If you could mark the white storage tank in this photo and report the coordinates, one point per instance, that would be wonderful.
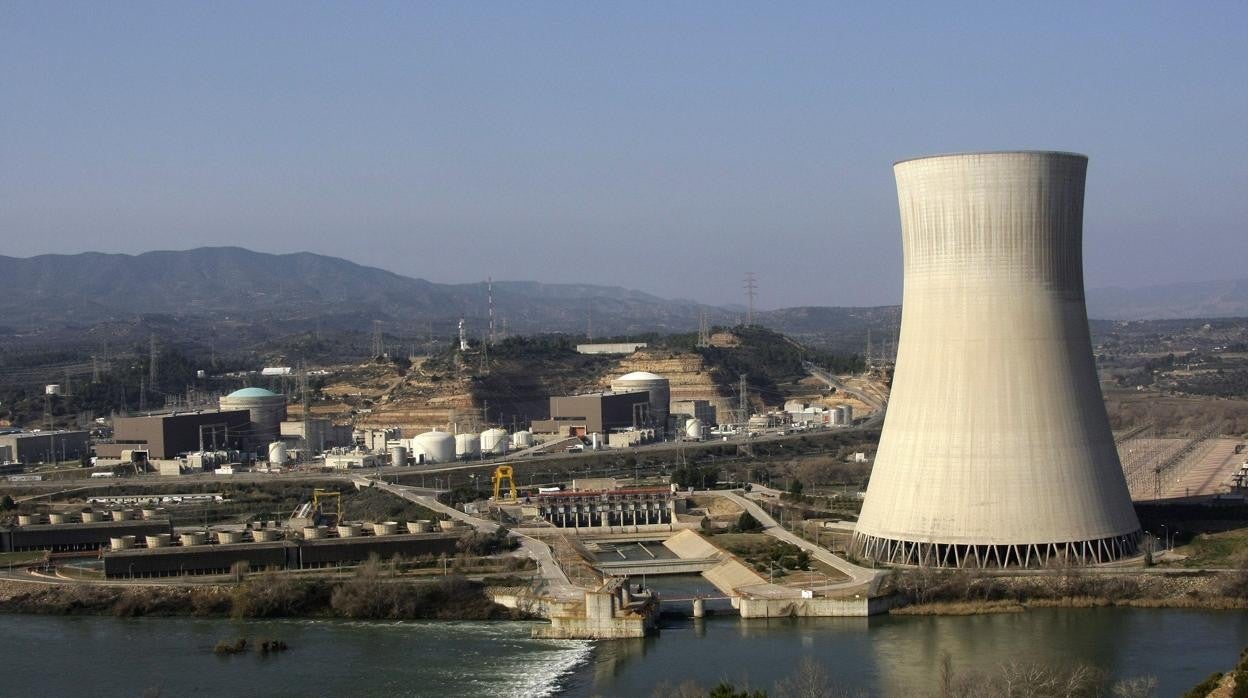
(122, 514)
(56, 518)
(52, 389)
(228, 537)
(421, 526)
(386, 528)
(27, 519)
(160, 540)
(277, 453)
(398, 455)
(264, 535)
(847, 413)
(522, 439)
(436, 446)
(467, 446)
(694, 429)
(495, 442)
(90, 517)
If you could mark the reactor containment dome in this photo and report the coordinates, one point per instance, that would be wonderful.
(996, 450)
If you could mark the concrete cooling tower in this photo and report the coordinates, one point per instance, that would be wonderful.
(996, 450)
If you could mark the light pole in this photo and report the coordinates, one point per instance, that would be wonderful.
(1165, 530)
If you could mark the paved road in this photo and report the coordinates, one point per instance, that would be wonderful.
(858, 576)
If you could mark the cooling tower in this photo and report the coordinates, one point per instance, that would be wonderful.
(996, 450)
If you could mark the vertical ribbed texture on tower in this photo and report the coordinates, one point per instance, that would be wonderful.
(996, 449)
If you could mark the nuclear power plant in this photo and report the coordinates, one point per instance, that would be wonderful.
(996, 450)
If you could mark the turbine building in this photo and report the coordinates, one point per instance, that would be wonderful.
(996, 450)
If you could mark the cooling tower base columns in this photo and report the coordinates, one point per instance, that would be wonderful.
(904, 553)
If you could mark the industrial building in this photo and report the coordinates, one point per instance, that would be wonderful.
(267, 410)
(996, 450)
(606, 508)
(615, 348)
(90, 535)
(320, 433)
(43, 446)
(221, 558)
(595, 413)
(701, 410)
(166, 436)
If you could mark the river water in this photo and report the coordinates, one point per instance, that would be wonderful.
(51, 655)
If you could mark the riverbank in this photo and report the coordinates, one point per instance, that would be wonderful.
(370, 594)
(961, 592)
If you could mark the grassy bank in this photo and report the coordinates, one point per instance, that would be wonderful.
(969, 592)
(374, 592)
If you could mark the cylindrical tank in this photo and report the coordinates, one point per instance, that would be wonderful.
(28, 519)
(437, 446)
(160, 540)
(996, 450)
(422, 526)
(449, 524)
(264, 535)
(148, 513)
(847, 414)
(121, 542)
(694, 429)
(657, 386)
(350, 530)
(595, 441)
(398, 455)
(467, 446)
(314, 532)
(228, 537)
(522, 439)
(277, 453)
(193, 538)
(56, 518)
(495, 442)
(90, 517)
(122, 514)
(386, 528)
(267, 412)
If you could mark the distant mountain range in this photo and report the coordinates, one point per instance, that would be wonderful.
(287, 292)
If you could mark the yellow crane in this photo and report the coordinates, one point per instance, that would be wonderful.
(501, 473)
(321, 497)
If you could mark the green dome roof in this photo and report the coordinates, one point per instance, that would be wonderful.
(253, 392)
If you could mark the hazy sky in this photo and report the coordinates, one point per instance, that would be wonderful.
(669, 147)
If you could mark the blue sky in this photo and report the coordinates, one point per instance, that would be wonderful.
(669, 147)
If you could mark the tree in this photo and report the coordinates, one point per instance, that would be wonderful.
(747, 523)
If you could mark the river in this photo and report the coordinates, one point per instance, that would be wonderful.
(53, 655)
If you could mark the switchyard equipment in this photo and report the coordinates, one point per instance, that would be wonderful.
(996, 450)
(504, 473)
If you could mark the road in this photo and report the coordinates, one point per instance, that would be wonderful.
(858, 576)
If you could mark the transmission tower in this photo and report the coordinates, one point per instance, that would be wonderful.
(378, 347)
(489, 292)
(704, 331)
(152, 367)
(751, 289)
